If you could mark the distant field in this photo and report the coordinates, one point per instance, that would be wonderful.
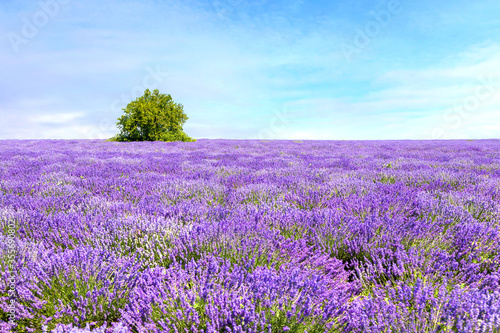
(250, 236)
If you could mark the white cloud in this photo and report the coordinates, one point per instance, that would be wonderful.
(57, 118)
(413, 103)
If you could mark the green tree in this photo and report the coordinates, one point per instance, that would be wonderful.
(152, 117)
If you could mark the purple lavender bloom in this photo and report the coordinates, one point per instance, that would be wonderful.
(313, 236)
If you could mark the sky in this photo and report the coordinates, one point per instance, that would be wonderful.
(263, 69)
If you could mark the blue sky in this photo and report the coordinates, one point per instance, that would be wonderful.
(254, 69)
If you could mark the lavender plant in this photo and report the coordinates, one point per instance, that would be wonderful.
(250, 236)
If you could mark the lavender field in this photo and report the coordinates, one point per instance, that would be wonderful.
(250, 236)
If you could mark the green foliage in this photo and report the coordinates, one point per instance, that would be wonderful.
(152, 117)
(64, 293)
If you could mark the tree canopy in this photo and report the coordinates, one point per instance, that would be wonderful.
(152, 117)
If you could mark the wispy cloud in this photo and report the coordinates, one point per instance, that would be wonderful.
(61, 118)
